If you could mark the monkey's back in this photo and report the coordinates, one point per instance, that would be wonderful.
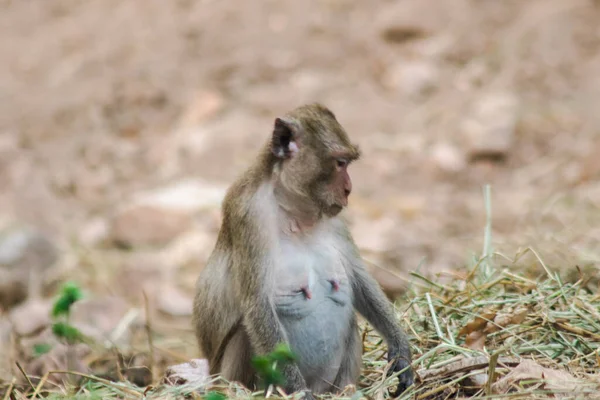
(215, 312)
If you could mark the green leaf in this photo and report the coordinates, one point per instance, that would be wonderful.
(61, 306)
(269, 370)
(283, 353)
(67, 332)
(273, 376)
(215, 396)
(69, 294)
(261, 364)
(270, 367)
(40, 349)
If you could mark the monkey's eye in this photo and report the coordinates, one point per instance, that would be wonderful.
(341, 162)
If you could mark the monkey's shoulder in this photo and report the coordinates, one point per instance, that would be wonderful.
(239, 197)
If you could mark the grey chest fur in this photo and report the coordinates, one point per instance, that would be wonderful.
(314, 303)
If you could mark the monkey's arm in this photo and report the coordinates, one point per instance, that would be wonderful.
(371, 303)
(252, 265)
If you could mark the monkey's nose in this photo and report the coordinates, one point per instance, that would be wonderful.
(347, 187)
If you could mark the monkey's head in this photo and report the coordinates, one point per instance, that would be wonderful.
(311, 154)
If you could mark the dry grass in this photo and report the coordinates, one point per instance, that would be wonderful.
(479, 326)
(488, 332)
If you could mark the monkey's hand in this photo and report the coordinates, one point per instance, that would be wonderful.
(295, 381)
(308, 395)
(400, 360)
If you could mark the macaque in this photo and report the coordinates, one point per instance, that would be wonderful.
(285, 268)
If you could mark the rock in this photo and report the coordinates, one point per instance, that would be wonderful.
(31, 317)
(9, 144)
(391, 283)
(146, 225)
(489, 128)
(189, 247)
(435, 47)
(398, 34)
(206, 104)
(156, 217)
(13, 290)
(135, 369)
(409, 206)
(5, 349)
(447, 158)
(101, 318)
(60, 358)
(150, 271)
(373, 235)
(94, 232)
(171, 300)
(25, 254)
(421, 26)
(589, 166)
(268, 99)
(141, 272)
(194, 373)
(6, 217)
(404, 21)
(308, 81)
(23, 245)
(472, 76)
(190, 137)
(413, 78)
(188, 195)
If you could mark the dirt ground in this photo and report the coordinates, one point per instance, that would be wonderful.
(103, 100)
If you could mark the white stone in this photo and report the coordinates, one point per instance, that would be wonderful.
(489, 128)
(447, 157)
(187, 195)
(414, 77)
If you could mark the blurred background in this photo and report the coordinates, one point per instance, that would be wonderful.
(123, 122)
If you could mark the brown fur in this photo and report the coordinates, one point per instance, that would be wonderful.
(287, 199)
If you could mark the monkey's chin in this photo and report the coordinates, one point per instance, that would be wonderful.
(333, 210)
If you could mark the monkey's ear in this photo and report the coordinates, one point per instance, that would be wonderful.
(284, 142)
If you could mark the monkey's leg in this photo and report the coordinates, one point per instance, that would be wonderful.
(351, 362)
(236, 362)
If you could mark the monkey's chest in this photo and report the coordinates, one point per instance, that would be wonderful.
(308, 278)
(313, 299)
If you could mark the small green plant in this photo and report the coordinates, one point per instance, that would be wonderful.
(41, 348)
(270, 367)
(69, 294)
(215, 396)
